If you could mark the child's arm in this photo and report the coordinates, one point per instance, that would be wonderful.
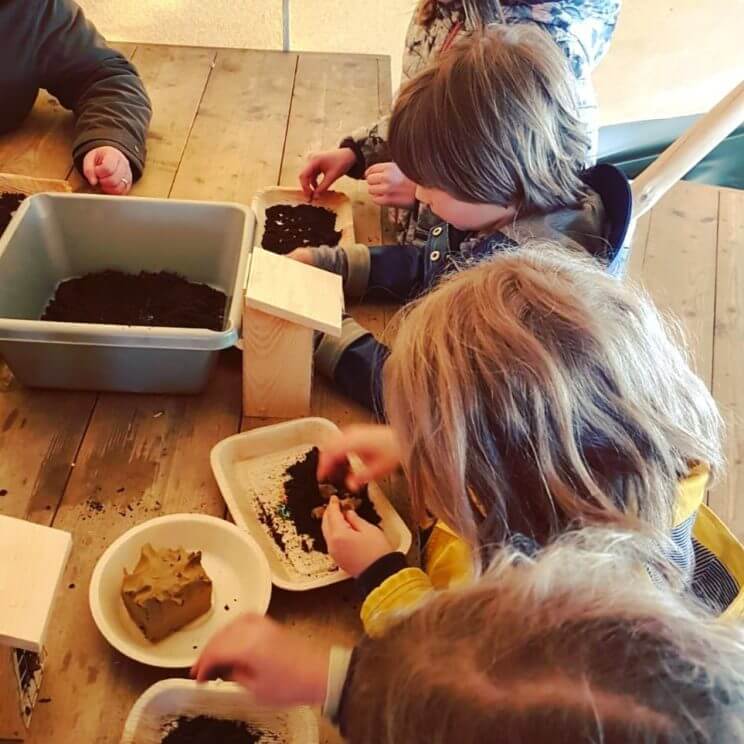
(389, 586)
(380, 272)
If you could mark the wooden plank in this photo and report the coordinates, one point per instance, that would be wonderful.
(277, 366)
(680, 264)
(157, 448)
(638, 248)
(11, 183)
(33, 558)
(236, 143)
(726, 498)
(143, 456)
(294, 291)
(175, 79)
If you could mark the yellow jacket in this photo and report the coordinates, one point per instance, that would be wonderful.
(715, 556)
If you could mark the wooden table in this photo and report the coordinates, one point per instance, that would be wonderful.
(227, 123)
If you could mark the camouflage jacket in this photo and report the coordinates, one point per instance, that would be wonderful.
(581, 28)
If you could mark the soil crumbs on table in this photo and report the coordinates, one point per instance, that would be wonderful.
(9, 203)
(145, 299)
(207, 730)
(289, 227)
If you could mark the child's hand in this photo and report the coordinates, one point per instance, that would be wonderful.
(275, 665)
(353, 543)
(332, 164)
(377, 446)
(109, 169)
(303, 255)
(388, 187)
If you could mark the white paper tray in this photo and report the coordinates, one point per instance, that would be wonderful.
(333, 200)
(172, 698)
(230, 452)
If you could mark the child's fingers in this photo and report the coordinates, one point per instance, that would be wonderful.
(89, 167)
(375, 170)
(333, 519)
(109, 165)
(375, 179)
(357, 523)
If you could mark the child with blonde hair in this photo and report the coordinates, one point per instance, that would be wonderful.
(565, 647)
(529, 396)
(491, 138)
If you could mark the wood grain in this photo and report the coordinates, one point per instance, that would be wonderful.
(726, 497)
(175, 79)
(148, 455)
(277, 366)
(235, 146)
(12, 183)
(680, 264)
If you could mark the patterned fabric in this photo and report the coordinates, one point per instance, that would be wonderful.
(712, 581)
(581, 28)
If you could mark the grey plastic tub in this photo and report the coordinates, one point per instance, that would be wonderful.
(54, 237)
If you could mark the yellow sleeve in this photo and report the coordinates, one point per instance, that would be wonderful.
(447, 562)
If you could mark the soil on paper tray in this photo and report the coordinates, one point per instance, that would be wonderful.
(206, 730)
(289, 227)
(144, 299)
(9, 203)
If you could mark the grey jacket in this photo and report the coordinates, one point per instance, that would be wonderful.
(50, 44)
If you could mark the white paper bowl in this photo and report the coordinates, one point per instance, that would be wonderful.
(241, 582)
(172, 698)
(226, 458)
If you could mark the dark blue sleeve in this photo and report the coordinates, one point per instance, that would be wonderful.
(396, 272)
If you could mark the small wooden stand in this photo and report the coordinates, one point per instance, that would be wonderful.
(285, 302)
(12, 183)
(32, 559)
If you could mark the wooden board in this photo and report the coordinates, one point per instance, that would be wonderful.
(235, 146)
(12, 183)
(277, 366)
(32, 559)
(680, 264)
(728, 361)
(175, 79)
(294, 291)
(156, 448)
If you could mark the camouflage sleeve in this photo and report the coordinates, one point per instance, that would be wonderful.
(369, 145)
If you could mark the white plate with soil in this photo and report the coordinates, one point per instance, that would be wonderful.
(241, 582)
(250, 471)
(156, 712)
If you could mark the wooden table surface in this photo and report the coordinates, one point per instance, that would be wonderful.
(227, 123)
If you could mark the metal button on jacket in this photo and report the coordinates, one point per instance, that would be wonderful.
(434, 255)
(437, 230)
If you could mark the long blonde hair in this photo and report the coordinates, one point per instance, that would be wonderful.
(534, 393)
(494, 121)
(572, 646)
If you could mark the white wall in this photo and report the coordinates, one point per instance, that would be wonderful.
(668, 58)
(229, 23)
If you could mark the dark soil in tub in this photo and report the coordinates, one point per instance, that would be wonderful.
(144, 299)
(206, 730)
(289, 227)
(9, 203)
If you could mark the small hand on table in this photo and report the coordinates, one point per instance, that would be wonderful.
(109, 169)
